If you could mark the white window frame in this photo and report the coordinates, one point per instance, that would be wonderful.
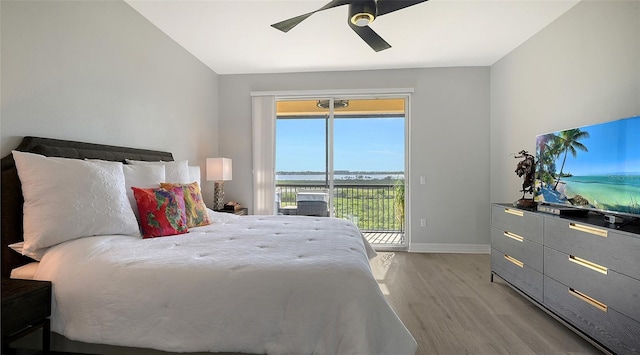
(263, 134)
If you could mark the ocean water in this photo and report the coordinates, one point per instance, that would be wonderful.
(319, 177)
(606, 192)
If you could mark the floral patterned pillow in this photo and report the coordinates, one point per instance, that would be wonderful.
(196, 209)
(162, 211)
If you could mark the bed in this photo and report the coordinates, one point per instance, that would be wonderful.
(247, 284)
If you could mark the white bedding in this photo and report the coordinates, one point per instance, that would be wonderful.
(255, 284)
(25, 272)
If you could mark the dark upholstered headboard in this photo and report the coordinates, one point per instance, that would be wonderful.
(12, 191)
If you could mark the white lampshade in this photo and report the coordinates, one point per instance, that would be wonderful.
(218, 169)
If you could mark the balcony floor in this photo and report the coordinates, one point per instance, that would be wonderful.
(383, 237)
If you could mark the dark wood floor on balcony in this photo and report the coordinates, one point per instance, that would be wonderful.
(384, 237)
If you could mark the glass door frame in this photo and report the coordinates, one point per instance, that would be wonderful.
(360, 95)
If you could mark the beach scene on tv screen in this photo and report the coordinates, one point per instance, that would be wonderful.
(594, 167)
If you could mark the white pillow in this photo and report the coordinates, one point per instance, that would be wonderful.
(222, 217)
(66, 199)
(194, 174)
(143, 176)
(175, 171)
(35, 255)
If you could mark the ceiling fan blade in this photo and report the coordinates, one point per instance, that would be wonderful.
(286, 25)
(387, 6)
(371, 37)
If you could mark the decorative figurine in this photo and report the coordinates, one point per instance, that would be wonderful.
(526, 170)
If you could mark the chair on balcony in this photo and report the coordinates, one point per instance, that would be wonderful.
(286, 210)
(313, 203)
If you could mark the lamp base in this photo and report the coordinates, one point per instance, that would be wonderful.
(218, 195)
(525, 203)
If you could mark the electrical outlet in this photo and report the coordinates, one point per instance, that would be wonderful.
(423, 222)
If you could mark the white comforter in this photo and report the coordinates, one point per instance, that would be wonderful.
(255, 284)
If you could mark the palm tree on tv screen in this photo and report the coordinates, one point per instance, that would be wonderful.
(569, 144)
(548, 151)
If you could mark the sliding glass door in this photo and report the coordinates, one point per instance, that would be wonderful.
(302, 157)
(344, 157)
(369, 168)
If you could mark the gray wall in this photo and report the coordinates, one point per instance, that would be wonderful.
(449, 143)
(98, 71)
(584, 68)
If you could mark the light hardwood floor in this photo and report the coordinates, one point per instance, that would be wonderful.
(449, 304)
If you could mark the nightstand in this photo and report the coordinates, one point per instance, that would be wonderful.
(26, 306)
(242, 211)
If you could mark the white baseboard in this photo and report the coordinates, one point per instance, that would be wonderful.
(450, 248)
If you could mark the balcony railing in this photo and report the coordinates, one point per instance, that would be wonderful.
(373, 207)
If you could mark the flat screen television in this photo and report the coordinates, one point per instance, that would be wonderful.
(595, 167)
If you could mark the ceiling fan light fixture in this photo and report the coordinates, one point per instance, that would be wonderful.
(362, 13)
(362, 19)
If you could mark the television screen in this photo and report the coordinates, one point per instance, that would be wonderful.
(594, 167)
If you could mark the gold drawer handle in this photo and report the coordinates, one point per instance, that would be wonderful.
(588, 264)
(514, 212)
(513, 236)
(514, 260)
(587, 229)
(592, 301)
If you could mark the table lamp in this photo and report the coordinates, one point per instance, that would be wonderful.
(219, 171)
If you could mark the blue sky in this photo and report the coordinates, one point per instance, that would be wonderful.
(361, 144)
(614, 147)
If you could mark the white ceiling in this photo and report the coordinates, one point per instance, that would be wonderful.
(235, 37)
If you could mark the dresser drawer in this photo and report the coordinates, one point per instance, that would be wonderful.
(527, 279)
(617, 332)
(615, 250)
(530, 253)
(523, 223)
(615, 290)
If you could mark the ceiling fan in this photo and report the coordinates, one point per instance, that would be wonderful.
(361, 14)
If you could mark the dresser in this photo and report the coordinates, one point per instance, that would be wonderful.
(582, 270)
